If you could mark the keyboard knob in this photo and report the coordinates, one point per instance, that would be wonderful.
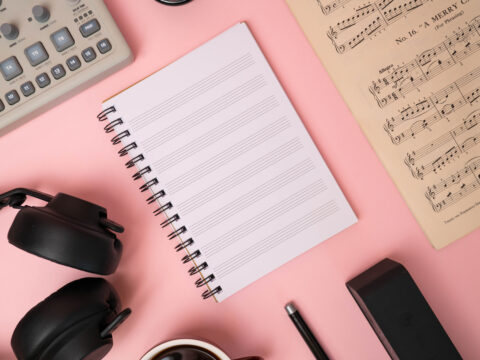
(10, 31)
(41, 13)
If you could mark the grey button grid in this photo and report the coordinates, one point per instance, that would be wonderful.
(43, 80)
(12, 97)
(62, 39)
(90, 28)
(10, 68)
(36, 54)
(27, 88)
(89, 54)
(104, 46)
(73, 63)
(58, 71)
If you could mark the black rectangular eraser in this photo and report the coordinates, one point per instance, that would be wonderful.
(400, 315)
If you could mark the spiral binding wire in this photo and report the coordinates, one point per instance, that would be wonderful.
(156, 195)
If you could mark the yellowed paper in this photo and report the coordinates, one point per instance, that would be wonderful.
(410, 72)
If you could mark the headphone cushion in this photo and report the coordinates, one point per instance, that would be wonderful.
(68, 322)
(48, 234)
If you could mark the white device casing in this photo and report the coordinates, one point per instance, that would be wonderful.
(62, 14)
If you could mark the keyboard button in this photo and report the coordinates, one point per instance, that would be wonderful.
(89, 28)
(104, 46)
(12, 97)
(62, 39)
(42, 80)
(27, 88)
(2, 106)
(36, 54)
(89, 54)
(10, 68)
(73, 63)
(58, 71)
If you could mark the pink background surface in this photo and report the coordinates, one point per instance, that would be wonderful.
(66, 150)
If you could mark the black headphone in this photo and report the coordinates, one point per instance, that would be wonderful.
(77, 321)
(173, 2)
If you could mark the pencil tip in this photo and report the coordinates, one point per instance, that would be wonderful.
(290, 308)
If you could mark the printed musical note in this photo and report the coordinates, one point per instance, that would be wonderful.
(428, 65)
(469, 124)
(381, 15)
(409, 113)
(441, 105)
(466, 182)
(445, 159)
(330, 7)
(361, 14)
(409, 70)
(437, 189)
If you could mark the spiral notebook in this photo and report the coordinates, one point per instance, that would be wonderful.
(227, 163)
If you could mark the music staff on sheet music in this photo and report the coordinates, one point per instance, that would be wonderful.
(379, 13)
(453, 145)
(459, 185)
(428, 65)
(435, 108)
(331, 6)
(409, 70)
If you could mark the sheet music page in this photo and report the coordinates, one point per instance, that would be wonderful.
(410, 72)
(235, 171)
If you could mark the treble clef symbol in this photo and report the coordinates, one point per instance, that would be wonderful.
(430, 194)
(418, 174)
(332, 34)
(410, 159)
(389, 127)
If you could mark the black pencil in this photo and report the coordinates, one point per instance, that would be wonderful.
(306, 333)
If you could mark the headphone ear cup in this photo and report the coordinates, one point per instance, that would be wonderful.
(69, 231)
(68, 324)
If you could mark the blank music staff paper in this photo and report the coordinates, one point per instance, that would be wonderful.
(227, 159)
(410, 72)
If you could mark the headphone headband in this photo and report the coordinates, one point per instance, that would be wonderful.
(77, 321)
(16, 197)
(68, 230)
